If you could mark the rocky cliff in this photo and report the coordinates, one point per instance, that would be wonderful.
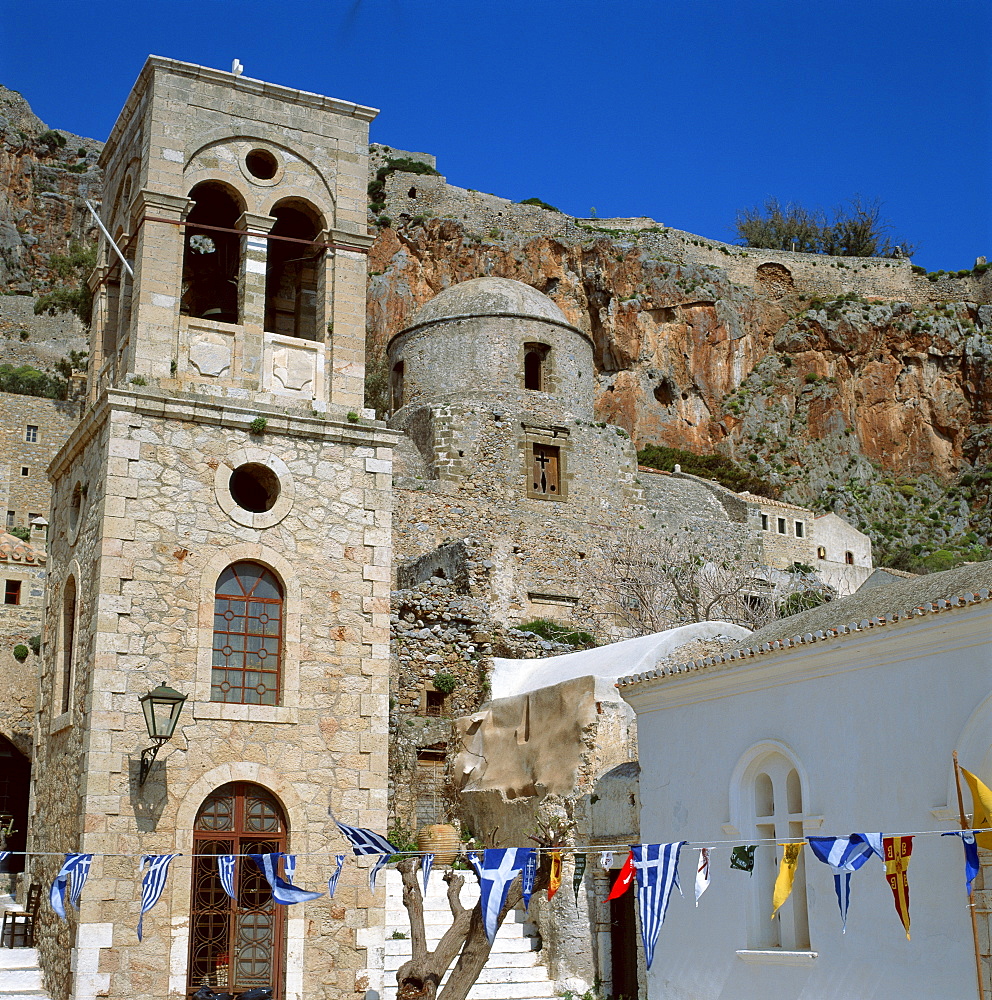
(826, 392)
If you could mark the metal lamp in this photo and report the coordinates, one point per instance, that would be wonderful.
(161, 707)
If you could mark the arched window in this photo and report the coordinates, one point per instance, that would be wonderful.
(771, 799)
(535, 364)
(396, 387)
(236, 944)
(248, 614)
(68, 641)
(212, 256)
(821, 552)
(291, 273)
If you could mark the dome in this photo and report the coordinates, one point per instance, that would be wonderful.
(488, 297)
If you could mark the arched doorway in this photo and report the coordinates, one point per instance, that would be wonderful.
(238, 944)
(15, 790)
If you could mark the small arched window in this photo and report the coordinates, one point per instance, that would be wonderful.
(849, 558)
(773, 809)
(535, 367)
(821, 552)
(248, 616)
(396, 386)
(68, 641)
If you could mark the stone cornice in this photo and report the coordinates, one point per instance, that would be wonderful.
(193, 409)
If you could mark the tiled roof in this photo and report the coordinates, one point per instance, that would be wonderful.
(873, 608)
(13, 550)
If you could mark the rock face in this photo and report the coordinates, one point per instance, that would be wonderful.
(689, 359)
(45, 176)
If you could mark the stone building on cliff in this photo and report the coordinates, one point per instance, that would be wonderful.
(219, 522)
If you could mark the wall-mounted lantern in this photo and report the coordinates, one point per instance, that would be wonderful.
(161, 707)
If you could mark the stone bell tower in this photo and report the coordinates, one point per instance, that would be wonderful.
(221, 521)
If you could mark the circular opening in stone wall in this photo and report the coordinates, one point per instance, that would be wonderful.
(254, 487)
(261, 164)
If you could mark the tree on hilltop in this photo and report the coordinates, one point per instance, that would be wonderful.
(856, 229)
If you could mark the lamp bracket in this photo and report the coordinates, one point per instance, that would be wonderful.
(148, 756)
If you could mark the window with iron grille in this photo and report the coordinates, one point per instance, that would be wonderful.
(248, 613)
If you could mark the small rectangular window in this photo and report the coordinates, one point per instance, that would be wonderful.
(11, 518)
(781, 526)
(12, 592)
(800, 529)
(764, 522)
(31, 433)
(25, 471)
(434, 703)
(544, 470)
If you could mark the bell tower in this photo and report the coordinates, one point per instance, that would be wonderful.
(221, 521)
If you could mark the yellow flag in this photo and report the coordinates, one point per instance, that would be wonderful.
(786, 875)
(981, 797)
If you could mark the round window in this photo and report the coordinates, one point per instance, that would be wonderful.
(261, 164)
(254, 487)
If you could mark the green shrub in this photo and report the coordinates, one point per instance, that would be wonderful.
(539, 204)
(35, 643)
(445, 682)
(24, 380)
(21, 652)
(24, 534)
(556, 632)
(52, 139)
(716, 467)
(258, 425)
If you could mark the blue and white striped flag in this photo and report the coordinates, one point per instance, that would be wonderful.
(225, 870)
(289, 867)
(76, 867)
(972, 865)
(657, 868)
(154, 881)
(375, 869)
(366, 841)
(500, 866)
(332, 882)
(426, 864)
(282, 891)
(472, 857)
(845, 855)
(527, 879)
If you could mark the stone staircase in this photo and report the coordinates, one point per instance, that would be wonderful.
(20, 974)
(513, 971)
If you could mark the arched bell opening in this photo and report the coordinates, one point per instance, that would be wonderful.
(212, 254)
(291, 275)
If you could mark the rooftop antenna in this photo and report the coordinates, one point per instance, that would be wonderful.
(236, 68)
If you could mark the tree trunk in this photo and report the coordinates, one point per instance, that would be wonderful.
(420, 977)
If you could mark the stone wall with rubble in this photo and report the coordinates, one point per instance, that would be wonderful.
(441, 627)
(412, 196)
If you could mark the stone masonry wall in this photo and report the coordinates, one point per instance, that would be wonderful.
(151, 549)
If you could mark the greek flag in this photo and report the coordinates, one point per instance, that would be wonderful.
(76, 867)
(426, 863)
(282, 891)
(366, 841)
(289, 867)
(473, 859)
(971, 862)
(225, 869)
(332, 882)
(500, 866)
(606, 860)
(657, 867)
(154, 881)
(375, 869)
(529, 875)
(845, 855)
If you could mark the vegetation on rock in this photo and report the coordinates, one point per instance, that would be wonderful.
(716, 467)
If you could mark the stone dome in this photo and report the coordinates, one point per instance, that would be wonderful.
(479, 297)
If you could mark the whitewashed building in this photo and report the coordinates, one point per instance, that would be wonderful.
(842, 719)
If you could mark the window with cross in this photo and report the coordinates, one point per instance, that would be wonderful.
(545, 471)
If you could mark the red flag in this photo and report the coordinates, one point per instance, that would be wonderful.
(897, 854)
(555, 880)
(624, 879)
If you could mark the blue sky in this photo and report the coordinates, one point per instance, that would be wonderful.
(682, 111)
